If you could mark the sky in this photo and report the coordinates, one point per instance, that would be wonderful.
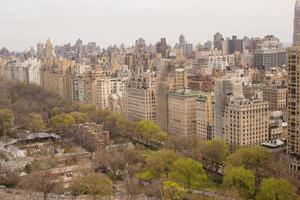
(23, 23)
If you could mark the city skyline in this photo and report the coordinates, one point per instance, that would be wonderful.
(27, 23)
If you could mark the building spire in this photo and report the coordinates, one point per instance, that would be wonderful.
(296, 36)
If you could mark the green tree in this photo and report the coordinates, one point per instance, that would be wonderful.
(188, 172)
(62, 120)
(79, 117)
(96, 185)
(214, 153)
(240, 179)
(276, 189)
(150, 132)
(161, 161)
(115, 123)
(173, 191)
(257, 159)
(36, 122)
(147, 127)
(146, 176)
(6, 121)
(160, 136)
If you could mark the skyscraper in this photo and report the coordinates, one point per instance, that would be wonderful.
(296, 40)
(182, 112)
(225, 88)
(40, 50)
(294, 88)
(172, 78)
(48, 49)
(293, 101)
(140, 97)
(218, 38)
(162, 47)
(181, 39)
(293, 63)
(235, 45)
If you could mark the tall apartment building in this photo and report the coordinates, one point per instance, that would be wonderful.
(182, 113)
(186, 47)
(293, 100)
(96, 87)
(293, 63)
(103, 90)
(48, 50)
(56, 76)
(296, 36)
(225, 87)
(78, 93)
(171, 78)
(235, 45)
(246, 122)
(40, 50)
(139, 98)
(269, 58)
(269, 42)
(162, 48)
(18, 71)
(32, 66)
(26, 70)
(204, 115)
(218, 38)
(220, 44)
(276, 96)
(214, 60)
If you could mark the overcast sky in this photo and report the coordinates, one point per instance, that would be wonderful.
(23, 23)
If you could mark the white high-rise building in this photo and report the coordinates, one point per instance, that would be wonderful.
(27, 70)
(32, 67)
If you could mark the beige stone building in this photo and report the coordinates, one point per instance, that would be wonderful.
(225, 88)
(276, 96)
(204, 115)
(246, 122)
(139, 99)
(95, 87)
(182, 113)
(171, 78)
(56, 76)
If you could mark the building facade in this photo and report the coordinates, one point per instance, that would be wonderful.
(204, 115)
(140, 97)
(171, 78)
(246, 122)
(293, 101)
(269, 58)
(182, 113)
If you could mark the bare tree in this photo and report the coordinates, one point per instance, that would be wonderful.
(39, 181)
(131, 188)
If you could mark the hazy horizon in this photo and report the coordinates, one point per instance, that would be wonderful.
(109, 22)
